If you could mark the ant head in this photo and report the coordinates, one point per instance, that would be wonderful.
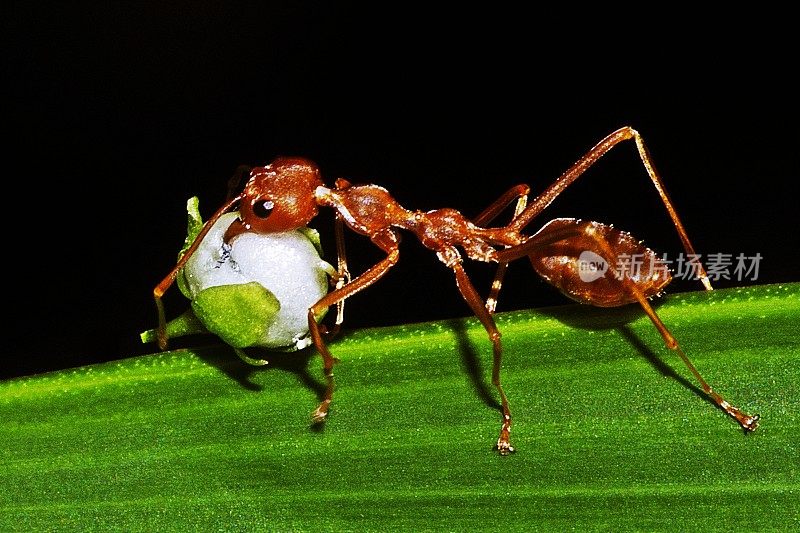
(280, 196)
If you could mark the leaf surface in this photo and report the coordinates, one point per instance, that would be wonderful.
(611, 431)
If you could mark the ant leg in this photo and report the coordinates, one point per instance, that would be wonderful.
(342, 272)
(342, 276)
(388, 242)
(575, 171)
(475, 303)
(166, 283)
(236, 179)
(749, 423)
(520, 194)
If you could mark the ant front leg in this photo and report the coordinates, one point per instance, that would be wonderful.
(166, 283)
(388, 242)
(342, 276)
(342, 271)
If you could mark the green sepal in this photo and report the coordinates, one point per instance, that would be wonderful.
(194, 225)
(185, 324)
(237, 314)
(312, 235)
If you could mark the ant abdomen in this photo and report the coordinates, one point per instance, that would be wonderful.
(588, 267)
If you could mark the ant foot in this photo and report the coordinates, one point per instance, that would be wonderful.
(503, 443)
(750, 423)
(505, 448)
(320, 414)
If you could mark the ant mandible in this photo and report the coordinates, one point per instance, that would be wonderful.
(286, 194)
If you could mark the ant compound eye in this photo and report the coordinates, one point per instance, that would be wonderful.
(263, 208)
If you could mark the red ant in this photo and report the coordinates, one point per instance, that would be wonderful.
(286, 194)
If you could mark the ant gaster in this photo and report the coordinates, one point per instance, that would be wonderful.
(287, 193)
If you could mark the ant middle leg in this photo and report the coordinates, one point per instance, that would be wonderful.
(475, 303)
(520, 194)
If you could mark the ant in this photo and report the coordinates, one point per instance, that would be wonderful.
(287, 193)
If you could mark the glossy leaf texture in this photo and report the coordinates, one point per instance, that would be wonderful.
(611, 431)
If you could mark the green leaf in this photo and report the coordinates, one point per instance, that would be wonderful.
(610, 429)
(237, 314)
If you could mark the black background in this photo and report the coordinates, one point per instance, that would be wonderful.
(118, 115)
